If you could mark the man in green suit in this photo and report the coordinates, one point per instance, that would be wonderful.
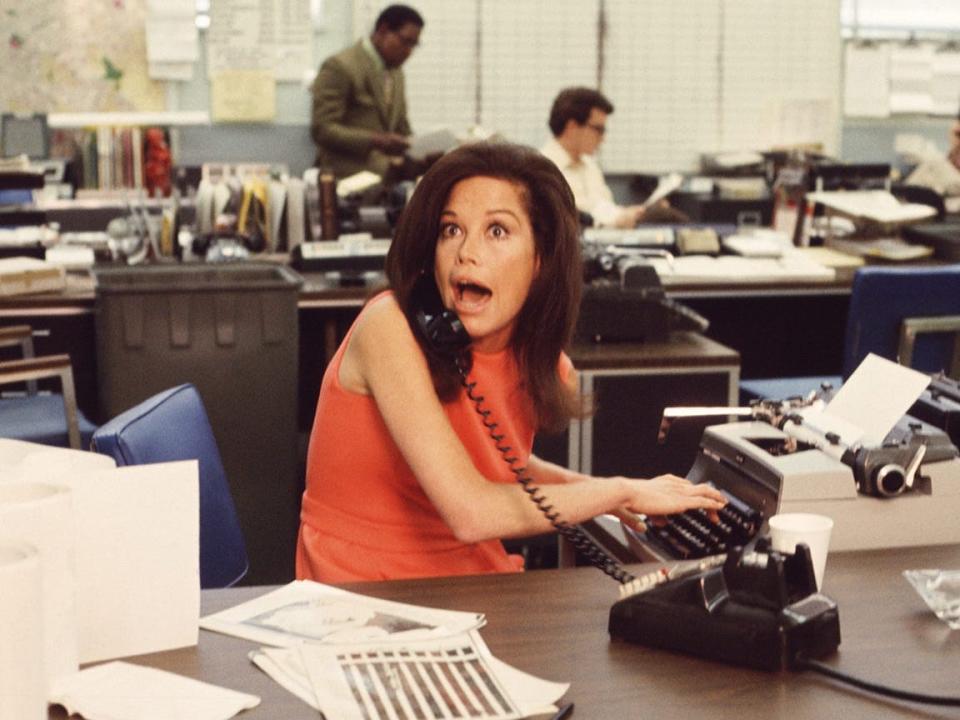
(359, 119)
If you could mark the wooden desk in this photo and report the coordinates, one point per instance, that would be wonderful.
(553, 623)
(631, 384)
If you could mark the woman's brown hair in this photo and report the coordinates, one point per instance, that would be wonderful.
(545, 322)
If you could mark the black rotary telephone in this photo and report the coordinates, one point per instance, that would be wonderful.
(445, 334)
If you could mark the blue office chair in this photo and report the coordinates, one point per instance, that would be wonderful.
(173, 425)
(45, 418)
(907, 314)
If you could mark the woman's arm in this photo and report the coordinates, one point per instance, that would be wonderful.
(384, 360)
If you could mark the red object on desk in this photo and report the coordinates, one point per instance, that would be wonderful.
(156, 167)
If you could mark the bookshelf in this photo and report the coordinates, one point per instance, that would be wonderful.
(110, 146)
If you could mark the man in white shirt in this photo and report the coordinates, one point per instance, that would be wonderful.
(578, 121)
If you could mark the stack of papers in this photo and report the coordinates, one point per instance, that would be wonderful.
(877, 206)
(733, 269)
(23, 275)
(351, 656)
(889, 249)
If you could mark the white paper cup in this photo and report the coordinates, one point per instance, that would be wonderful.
(41, 515)
(22, 681)
(789, 529)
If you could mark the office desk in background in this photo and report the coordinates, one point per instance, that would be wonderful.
(777, 328)
(553, 624)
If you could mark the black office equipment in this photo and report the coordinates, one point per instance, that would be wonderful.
(623, 300)
(943, 237)
(760, 609)
(693, 535)
(711, 208)
(350, 264)
(939, 405)
(16, 199)
(826, 175)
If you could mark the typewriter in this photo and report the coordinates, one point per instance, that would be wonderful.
(624, 301)
(903, 492)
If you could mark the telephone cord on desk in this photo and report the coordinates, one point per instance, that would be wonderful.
(577, 537)
(803, 663)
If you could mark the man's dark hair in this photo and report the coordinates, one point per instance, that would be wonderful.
(575, 104)
(395, 17)
(546, 321)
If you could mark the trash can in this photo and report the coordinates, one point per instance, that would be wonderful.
(232, 331)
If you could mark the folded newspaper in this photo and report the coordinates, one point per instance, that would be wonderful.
(352, 656)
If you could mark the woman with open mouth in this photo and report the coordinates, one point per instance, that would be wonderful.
(420, 458)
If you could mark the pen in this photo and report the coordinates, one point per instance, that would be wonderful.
(565, 711)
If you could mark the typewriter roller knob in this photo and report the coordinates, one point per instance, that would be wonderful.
(890, 480)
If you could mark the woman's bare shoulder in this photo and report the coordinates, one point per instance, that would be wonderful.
(380, 342)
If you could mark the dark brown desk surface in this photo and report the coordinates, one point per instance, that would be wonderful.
(681, 350)
(553, 623)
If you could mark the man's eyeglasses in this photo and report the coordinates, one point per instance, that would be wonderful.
(599, 129)
(410, 42)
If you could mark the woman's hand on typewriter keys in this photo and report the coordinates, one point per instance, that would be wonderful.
(668, 495)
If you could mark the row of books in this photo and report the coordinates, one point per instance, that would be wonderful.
(106, 158)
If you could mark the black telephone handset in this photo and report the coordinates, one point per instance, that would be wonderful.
(445, 334)
(440, 327)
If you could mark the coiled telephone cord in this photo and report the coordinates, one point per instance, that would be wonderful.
(583, 544)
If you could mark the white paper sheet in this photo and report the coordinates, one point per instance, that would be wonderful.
(305, 611)
(132, 692)
(137, 558)
(285, 667)
(877, 205)
(666, 185)
(876, 396)
(21, 460)
(120, 549)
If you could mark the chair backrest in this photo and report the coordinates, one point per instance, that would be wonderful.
(173, 425)
(882, 298)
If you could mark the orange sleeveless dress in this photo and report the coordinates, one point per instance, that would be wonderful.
(364, 514)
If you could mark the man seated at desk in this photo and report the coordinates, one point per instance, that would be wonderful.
(359, 118)
(578, 121)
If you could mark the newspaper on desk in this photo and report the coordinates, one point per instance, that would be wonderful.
(352, 656)
(791, 266)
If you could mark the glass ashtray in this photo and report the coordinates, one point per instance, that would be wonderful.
(940, 590)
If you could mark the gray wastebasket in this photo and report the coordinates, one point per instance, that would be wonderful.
(232, 331)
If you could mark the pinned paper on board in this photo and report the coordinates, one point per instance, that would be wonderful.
(243, 96)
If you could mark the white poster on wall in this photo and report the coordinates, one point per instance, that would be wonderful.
(253, 35)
